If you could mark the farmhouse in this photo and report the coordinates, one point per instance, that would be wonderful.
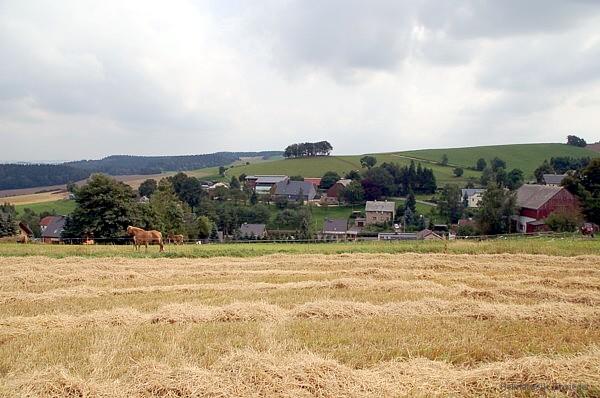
(53, 231)
(46, 221)
(472, 196)
(337, 229)
(263, 184)
(553, 179)
(252, 231)
(379, 212)
(295, 190)
(333, 193)
(537, 202)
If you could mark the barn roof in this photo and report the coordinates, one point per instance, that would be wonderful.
(252, 229)
(535, 196)
(335, 225)
(55, 228)
(294, 187)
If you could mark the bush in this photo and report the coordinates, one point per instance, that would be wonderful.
(564, 221)
(458, 172)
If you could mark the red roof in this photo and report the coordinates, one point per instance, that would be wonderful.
(44, 222)
(313, 180)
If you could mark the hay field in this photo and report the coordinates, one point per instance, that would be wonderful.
(347, 325)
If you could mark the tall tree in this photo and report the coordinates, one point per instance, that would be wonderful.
(495, 209)
(8, 222)
(576, 141)
(105, 207)
(147, 187)
(481, 164)
(450, 204)
(328, 179)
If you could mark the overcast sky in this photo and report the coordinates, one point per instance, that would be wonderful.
(86, 79)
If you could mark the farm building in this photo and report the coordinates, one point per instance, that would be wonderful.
(252, 231)
(333, 193)
(337, 229)
(379, 212)
(428, 234)
(537, 202)
(53, 231)
(553, 179)
(263, 184)
(46, 221)
(472, 196)
(295, 190)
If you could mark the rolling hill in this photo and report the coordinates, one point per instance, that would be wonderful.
(526, 157)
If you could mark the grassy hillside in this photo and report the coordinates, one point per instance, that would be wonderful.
(61, 207)
(523, 156)
(526, 157)
(316, 167)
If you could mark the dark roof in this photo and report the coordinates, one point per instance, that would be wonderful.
(252, 229)
(335, 225)
(535, 196)
(294, 187)
(380, 206)
(426, 232)
(25, 228)
(554, 179)
(55, 229)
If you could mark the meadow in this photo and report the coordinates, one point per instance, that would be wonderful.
(299, 324)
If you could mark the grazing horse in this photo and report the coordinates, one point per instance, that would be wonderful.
(176, 239)
(143, 237)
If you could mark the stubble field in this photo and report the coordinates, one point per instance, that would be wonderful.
(300, 325)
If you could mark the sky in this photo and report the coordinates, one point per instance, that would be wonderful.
(86, 79)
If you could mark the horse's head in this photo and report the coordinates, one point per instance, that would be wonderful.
(130, 230)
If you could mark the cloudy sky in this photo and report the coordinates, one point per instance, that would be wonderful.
(86, 79)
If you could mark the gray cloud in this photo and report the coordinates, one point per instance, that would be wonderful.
(85, 79)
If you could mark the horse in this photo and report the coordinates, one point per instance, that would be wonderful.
(143, 237)
(176, 239)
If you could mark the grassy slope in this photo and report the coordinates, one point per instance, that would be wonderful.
(522, 156)
(316, 167)
(61, 207)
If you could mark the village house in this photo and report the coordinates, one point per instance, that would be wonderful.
(294, 190)
(263, 184)
(337, 230)
(44, 222)
(252, 231)
(333, 193)
(53, 231)
(472, 196)
(379, 212)
(553, 179)
(537, 202)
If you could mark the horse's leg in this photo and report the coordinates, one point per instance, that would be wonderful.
(160, 243)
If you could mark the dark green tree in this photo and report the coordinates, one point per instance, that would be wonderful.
(8, 222)
(458, 172)
(353, 175)
(234, 183)
(450, 204)
(411, 202)
(328, 179)
(105, 207)
(481, 164)
(495, 210)
(368, 161)
(147, 187)
(353, 193)
(576, 141)
(514, 179)
(544, 168)
(253, 198)
(497, 163)
(444, 161)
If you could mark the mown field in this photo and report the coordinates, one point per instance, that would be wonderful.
(350, 324)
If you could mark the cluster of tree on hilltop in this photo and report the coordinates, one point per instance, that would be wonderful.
(15, 176)
(307, 149)
(123, 165)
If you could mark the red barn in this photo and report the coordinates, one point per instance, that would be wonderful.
(537, 202)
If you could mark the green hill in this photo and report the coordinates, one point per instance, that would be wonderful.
(522, 156)
(526, 157)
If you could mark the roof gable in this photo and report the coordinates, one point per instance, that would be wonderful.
(535, 196)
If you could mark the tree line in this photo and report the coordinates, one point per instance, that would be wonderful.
(15, 176)
(308, 149)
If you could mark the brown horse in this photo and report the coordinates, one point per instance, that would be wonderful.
(143, 237)
(176, 239)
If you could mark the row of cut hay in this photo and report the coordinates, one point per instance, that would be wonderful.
(259, 311)
(493, 290)
(249, 373)
(527, 264)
